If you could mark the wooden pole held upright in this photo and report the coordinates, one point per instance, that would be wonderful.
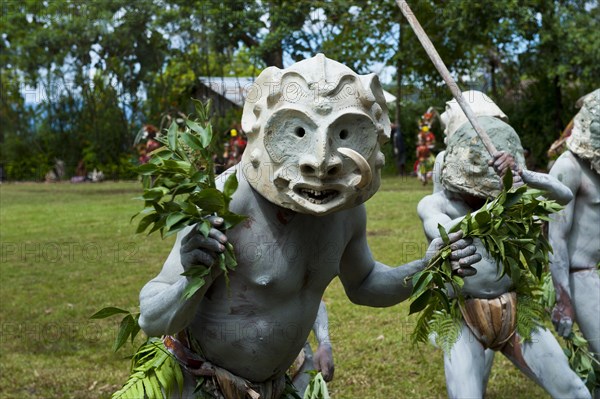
(441, 67)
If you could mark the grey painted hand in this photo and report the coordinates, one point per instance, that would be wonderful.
(464, 253)
(562, 319)
(502, 162)
(197, 250)
(323, 360)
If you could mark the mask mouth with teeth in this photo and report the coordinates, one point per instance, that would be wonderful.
(317, 197)
(314, 136)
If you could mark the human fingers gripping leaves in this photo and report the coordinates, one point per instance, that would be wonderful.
(449, 259)
(460, 252)
(206, 251)
(464, 254)
(199, 253)
(198, 250)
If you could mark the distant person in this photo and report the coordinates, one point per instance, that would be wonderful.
(399, 149)
(57, 172)
(147, 143)
(426, 137)
(425, 158)
(425, 161)
(234, 148)
(80, 173)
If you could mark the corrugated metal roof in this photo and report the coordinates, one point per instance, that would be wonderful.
(232, 88)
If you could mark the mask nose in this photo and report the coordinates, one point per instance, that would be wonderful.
(320, 161)
(311, 165)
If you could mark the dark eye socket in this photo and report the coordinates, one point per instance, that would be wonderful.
(300, 132)
(344, 134)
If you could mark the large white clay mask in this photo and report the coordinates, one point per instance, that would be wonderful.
(314, 133)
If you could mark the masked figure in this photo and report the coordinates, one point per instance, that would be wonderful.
(489, 311)
(313, 158)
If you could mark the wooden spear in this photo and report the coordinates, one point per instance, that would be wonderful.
(441, 67)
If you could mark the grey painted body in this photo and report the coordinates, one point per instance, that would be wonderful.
(575, 237)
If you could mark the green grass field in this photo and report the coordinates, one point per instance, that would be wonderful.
(69, 250)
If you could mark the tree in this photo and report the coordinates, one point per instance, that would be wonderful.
(532, 57)
(82, 59)
(129, 62)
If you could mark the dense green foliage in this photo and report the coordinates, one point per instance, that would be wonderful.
(79, 79)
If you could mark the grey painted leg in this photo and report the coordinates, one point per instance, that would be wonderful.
(465, 367)
(543, 360)
(489, 362)
(585, 293)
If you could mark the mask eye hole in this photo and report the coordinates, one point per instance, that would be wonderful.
(300, 132)
(344, 134)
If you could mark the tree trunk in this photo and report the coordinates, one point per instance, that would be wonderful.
(399, 75)
(558, 105)
(493, 79)
(274, 58)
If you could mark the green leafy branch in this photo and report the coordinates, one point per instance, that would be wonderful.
(510, 228)
(317, 387)
(180, 190)
(154, 373)
(128, 328)
(154, 370)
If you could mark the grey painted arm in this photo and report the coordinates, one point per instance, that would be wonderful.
(323, 357)
(558, 234)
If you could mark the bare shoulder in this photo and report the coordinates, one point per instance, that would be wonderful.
(567, 170)
(432, 203)
(567, 163)
(222, 178)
